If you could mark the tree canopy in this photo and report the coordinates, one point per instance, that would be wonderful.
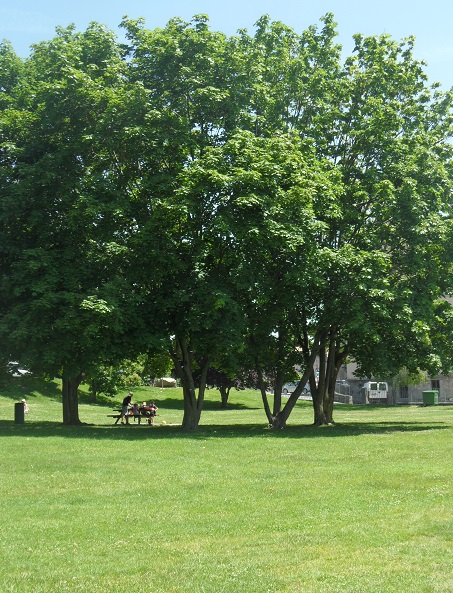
(251, 202)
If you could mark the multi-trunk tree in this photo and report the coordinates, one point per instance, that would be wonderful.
(250, 199)
(380, 257)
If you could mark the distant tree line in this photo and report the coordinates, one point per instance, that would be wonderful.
(244, 204)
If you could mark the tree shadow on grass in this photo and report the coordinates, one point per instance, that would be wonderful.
(27, 387)
(136, 432)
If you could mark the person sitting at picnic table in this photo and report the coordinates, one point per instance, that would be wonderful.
(143, 409)
(125, 406)
(152, 412)
(135, 410)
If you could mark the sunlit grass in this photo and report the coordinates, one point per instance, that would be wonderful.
(361, 507)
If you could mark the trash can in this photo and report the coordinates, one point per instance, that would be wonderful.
(19, 413)
(430, 398)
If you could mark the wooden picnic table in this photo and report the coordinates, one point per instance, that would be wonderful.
(141, 415)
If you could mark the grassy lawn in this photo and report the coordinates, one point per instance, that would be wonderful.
(361, 507)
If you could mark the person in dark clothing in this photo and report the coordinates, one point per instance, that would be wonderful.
(152, 412)
(125, 406)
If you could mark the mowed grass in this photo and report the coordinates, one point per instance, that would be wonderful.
(363, 507)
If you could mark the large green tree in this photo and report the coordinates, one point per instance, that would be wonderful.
(208, 195)
(379, 259)
(182, 247)
(60, 242)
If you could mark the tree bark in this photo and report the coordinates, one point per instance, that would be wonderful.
(183, 360)
(267, 409)
(331, 376)
(191, 418)
(224, 394)
(278, 386)
(279, 420)
(70, 395)
(330, 361)
(318, 409)
(319, 393)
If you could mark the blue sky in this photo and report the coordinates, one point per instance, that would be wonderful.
(29, 21)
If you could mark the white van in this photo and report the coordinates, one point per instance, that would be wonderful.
(376, 392)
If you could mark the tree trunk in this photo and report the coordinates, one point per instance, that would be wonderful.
(192, 413)
(70, 386)
(320, 390)
(267, 409)
(330, 361)
(318, 409)
(279, 420)
(224, 394)
(278, 386)
(328, 405)
(183, 361)
(331, 376)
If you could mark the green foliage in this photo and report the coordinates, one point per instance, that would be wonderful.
(158, 365)
(55, 280)
(250, 201)
(406, 377)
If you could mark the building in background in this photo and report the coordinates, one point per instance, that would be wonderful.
(398, 393)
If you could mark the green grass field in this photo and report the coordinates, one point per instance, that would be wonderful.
(364, 506)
